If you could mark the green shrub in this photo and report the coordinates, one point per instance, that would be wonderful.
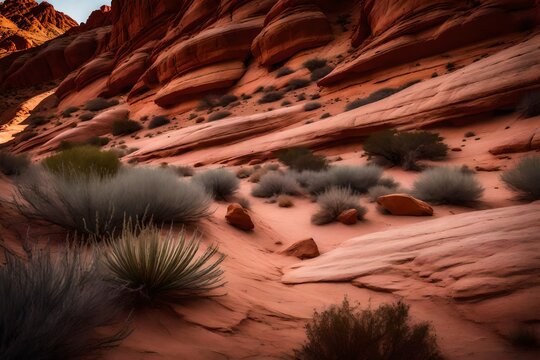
(125, 127)
(312, 106)
(529, 105)
(220, 184)
(357, 179)
(151, 269)
(321, 72)
(405, 148)
(86, 116)
(274, 183)
(525, 178)
(101, 206)
(83, 160)
(333, 202)
(284, 71)
(314, 64)
(219, 115)
(345, 333)
(11, 164)
(51, 306)
(99, 103)
(294, 84)
(447, 185)
(299, 158)
(158, 121)
(270, 97)
(70, 110)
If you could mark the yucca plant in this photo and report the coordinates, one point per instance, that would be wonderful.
(152, 268)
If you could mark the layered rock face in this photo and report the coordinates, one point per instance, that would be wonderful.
(25, 24)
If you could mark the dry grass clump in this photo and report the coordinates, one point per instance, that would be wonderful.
(152, 268)
(12, 164)
(525, 178)
(378, 95)
(260, 171)
(86, 160)
(358, 179)
(220, 184)
(274, 183)
(343, 332)
(284, 201)
(333, 202)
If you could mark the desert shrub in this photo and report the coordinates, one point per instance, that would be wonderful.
(388, 182)
(51, 306)
(301, 97)
(321, 72)
(284, 201)
(86, 116)
(218, 183)
(244, 172)
(315, 96)
(345, 333)
(208, 102)
(285, 103)
(97, 141)
(524, 337)
(226, 99)
(529, 105)
(405, 148)
(272, 96)
(299, 158)
(219, 115)
(12, 164)
(259, 172)
(258, 89)
(450, 66)
(37, 120)
(294, 84)
(269, 88)
(70, 110)
(274, 183)
(284, 71)
(325, 115)
(101, 206)
(314, 64)
(304, 177)
(525, 178)
(125, 127)
(99, 103)
(333, 202)
(83, 160)
(158, 121)
(357, 179)
(373, 97)
(447, 185)
(149, 268)
(469, 134)
(312, 106)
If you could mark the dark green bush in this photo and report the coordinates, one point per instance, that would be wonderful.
(345, 333)
(99, 103)
(333, 202)
(525, 178)
(158, 121)
(294, 84)
(149, 268)
(314, 64)
(125, 127)
(405, 148)
(529, 105)
(299, 158)
(312, 106)
(70, 110)
(83, 160)
(447, 185)
(321, 72)
(219, 115)
(86, 116)
(51, 306)
(12, 164)
(284, 71)
(270, 97)
(220, 184)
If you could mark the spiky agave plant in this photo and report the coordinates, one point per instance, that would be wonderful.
(152, 268)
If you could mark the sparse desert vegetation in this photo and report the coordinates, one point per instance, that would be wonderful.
(83, 161)
(218, 183)
(125, 127)
(270, 97)
(273, 184)
(158, 121)
(301, 159)
(525, 178)
(357, 179)
(13, 164)
(99, 103)
(335, 201)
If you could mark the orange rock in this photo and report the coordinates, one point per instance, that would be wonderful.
(348, 217)
(403, 204)
(238, 217)
(303, 249)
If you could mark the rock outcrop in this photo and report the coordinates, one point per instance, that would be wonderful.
(303, 249)
(238, 217)
(405, 205)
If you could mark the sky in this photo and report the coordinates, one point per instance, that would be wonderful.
(77, 9)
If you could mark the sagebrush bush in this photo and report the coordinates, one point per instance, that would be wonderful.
(86, 116)
(388, 182)
(220, 184)
(158, 121)
(304, 177)
(312, 106)
(226, 100)
(12, 164)
(405, 148)
(321, 72)
(70, 110)
(378, 95)
(525, 178)
(300, 159)
(284, 71)
(529, 105)
(84, 160)
(273, 184)
(125, 127)
(447, 185)
(271, 96)
(325, 115)
(342, 332)
(51, 306)
(333, 202)
(259, 172)
(101, 206)
(314, 64)
(219, 115)
(294, 84)
(99, 103)
(357, 179)
(149, 268)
